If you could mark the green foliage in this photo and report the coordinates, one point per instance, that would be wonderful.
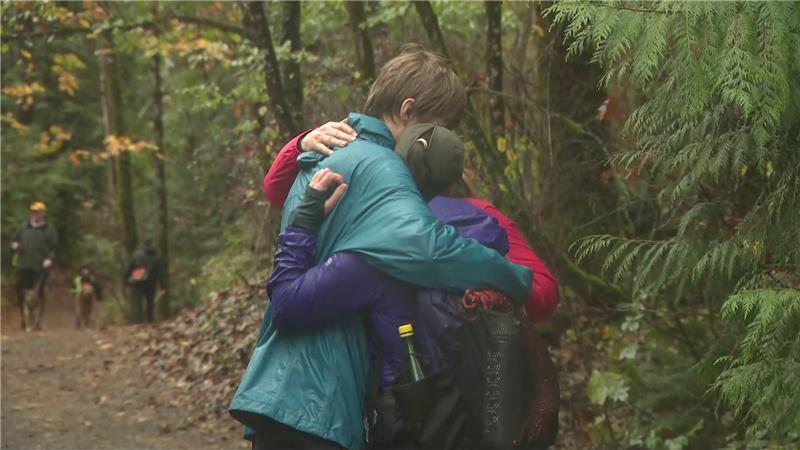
(233, 263)
(760, 378)
(696, 214)
(606, 386)
(718, 132)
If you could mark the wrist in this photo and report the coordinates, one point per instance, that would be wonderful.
(300, 143)
(302, 139)
(310, 213)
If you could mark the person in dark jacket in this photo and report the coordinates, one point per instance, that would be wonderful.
(144, 274)
(36, 243)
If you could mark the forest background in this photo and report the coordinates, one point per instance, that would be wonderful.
(649, 151)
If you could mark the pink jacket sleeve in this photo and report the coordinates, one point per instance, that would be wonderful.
(544, 291)
(282, 172)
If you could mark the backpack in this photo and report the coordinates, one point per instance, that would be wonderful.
(479, 396)
(494, 375)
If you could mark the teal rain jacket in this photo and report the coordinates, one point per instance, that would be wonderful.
(316, 381)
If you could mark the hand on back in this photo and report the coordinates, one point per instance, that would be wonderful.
(326, 180)
(323, 139)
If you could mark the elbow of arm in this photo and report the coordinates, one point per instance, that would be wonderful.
(286, 307)
(543, 302)
(281, 317)
(278, 318)
(273, 197)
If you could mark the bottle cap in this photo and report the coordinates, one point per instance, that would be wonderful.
(406, 330)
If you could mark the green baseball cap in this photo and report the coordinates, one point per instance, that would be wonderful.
(440, 164)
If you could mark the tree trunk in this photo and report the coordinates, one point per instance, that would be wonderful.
(494, 67)
(364, 50)
(257, 28)
(111, 172)
(431, 25)
(293, 81)
(115, 125)
(161, 181)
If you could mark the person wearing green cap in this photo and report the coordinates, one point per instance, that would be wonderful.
(35, 244)
(314, 382)
(434, 155)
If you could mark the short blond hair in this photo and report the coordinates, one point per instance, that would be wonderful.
(424, 76)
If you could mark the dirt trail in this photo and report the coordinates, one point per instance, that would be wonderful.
(69, 389)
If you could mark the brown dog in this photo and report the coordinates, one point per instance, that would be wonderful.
(83, 306)
(31, 312)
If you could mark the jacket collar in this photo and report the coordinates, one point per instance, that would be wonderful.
(368, 128)
(371, 129)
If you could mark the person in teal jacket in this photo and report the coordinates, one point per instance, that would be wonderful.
(315, 381)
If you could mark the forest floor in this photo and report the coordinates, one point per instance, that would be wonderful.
(85, 389)
(167, 385)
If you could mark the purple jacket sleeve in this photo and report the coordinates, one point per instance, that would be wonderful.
(305, 296)
(471, 222)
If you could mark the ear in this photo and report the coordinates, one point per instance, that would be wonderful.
(407, 110)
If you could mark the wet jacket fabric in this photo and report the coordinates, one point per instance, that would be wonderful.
(35, 245)
(544, 294)
(305, 295)
(316, 381)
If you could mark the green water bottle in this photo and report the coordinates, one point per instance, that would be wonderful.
(414, 367)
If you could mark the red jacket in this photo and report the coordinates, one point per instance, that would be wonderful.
(544, 292)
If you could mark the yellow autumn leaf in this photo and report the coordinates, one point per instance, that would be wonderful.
(68, 61)
(25, 54)
(23, 90)
(15, 124)
(75, 159)
(68, 83)
(59, 134)
(113, 145)
(743, 170)
(502, 144)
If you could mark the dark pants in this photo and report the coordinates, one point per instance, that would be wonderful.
(271, 435)
(144, 294)
(28, 279)
(83, 308)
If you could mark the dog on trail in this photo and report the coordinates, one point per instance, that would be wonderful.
(31, 313)
(87, 292)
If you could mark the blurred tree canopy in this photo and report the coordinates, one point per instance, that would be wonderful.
(649, 151)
